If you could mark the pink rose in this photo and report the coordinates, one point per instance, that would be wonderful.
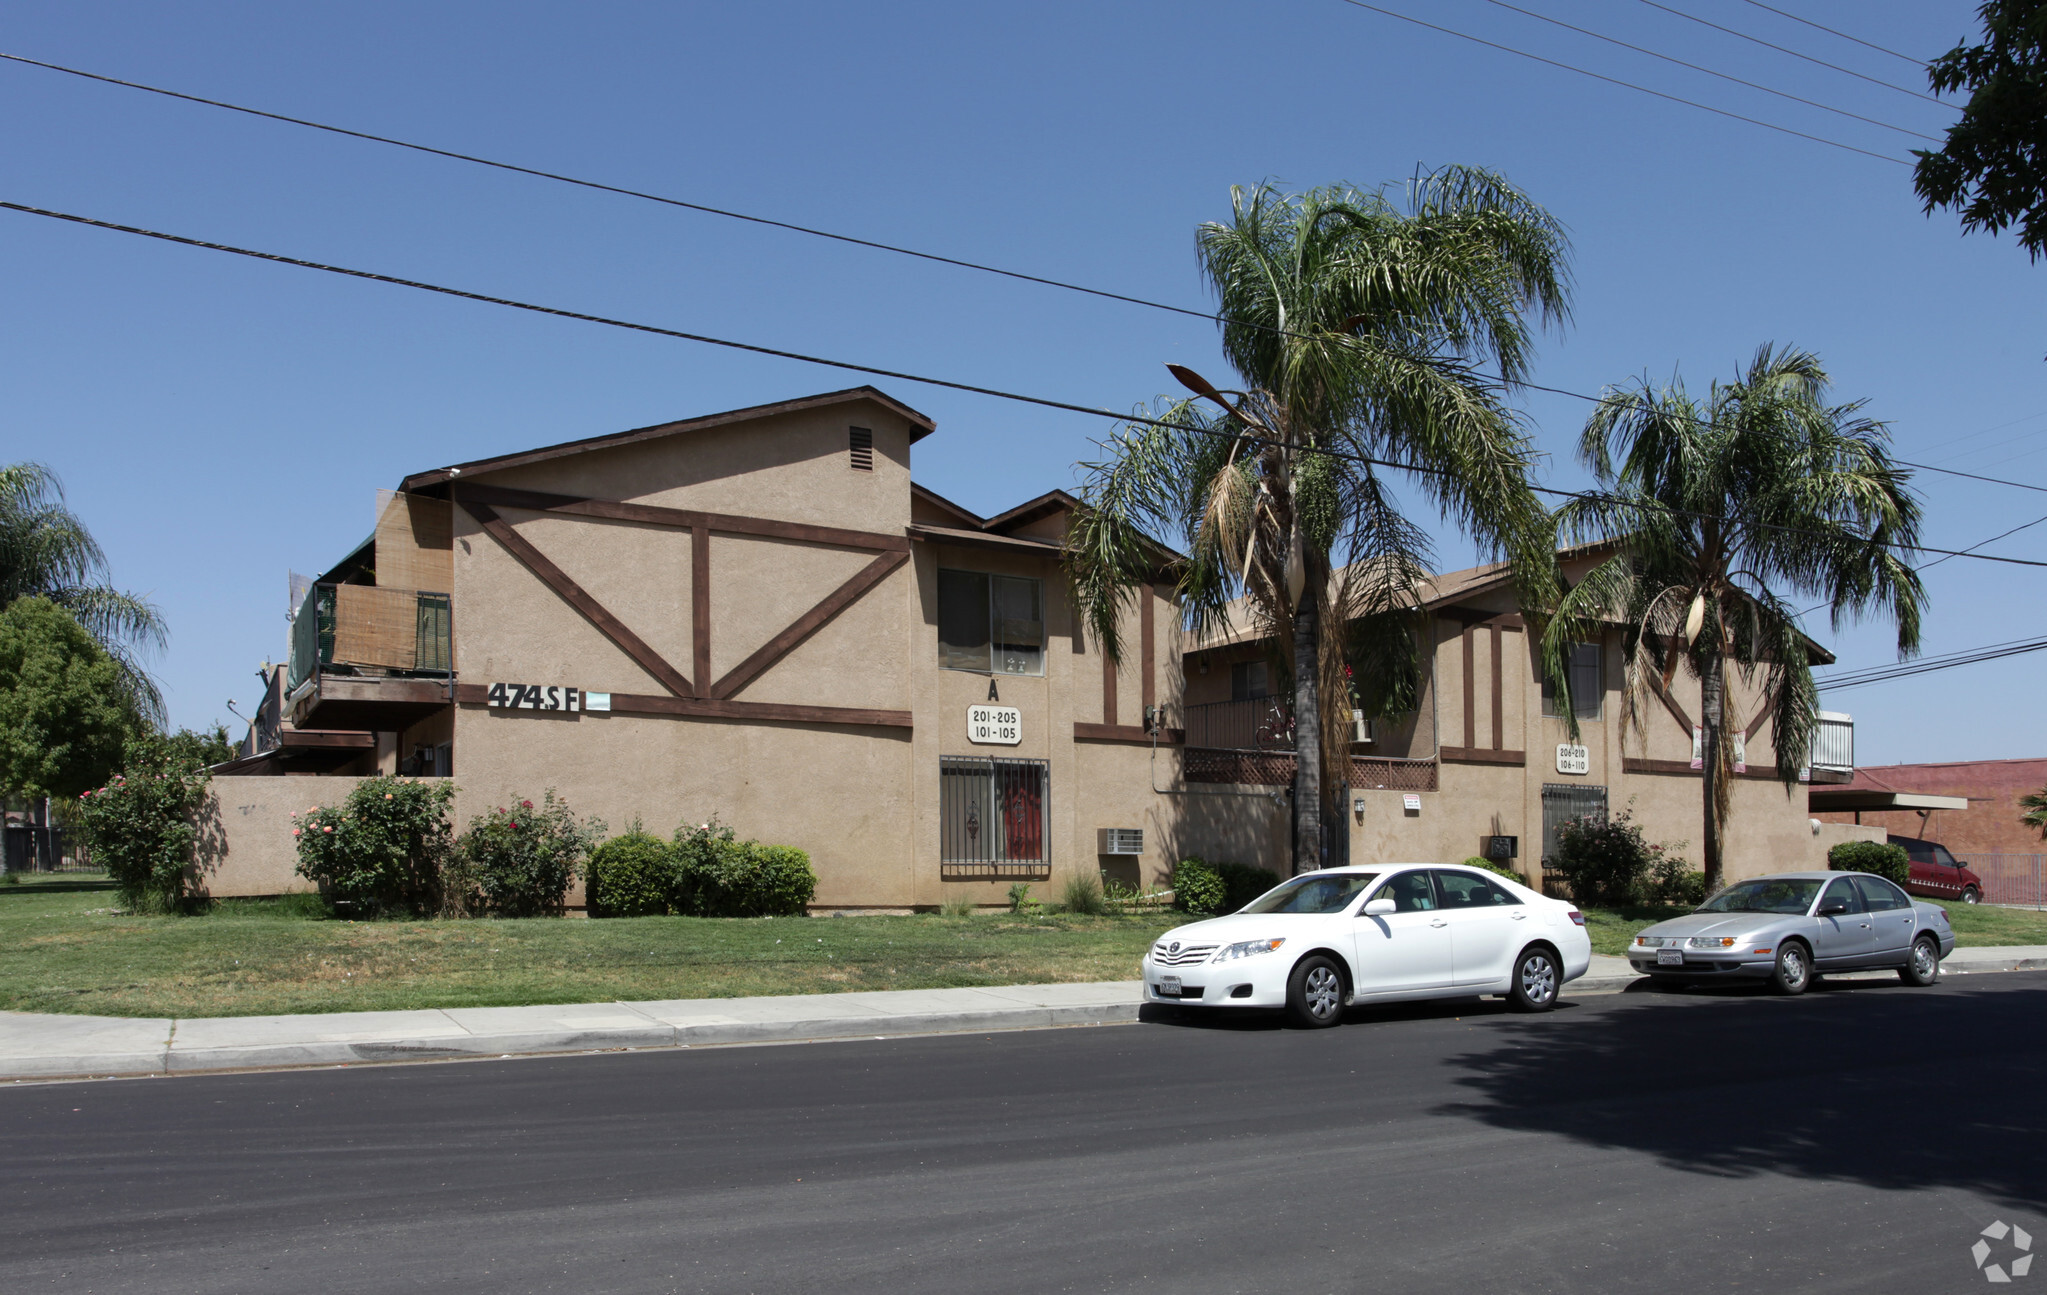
(326, 829)
(295, 831)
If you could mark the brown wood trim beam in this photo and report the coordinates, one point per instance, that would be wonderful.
(1755, 725)
(1481, 755)
(1499, 692)
(684, 518)
(1677, 712)
(412, 692)
(700, 600)
(1148, 687)
(297, 738)
(622, 703)
(1108, 689)
(1682, 768)
(809, 623)
(575, 595)
(1132, 733)
(1470, 691)
(1475, 617)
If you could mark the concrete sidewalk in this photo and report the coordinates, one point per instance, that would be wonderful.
(38, 1046)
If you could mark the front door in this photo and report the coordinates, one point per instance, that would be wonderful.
(1487, 926)
(1408, 949)
(1842, 940)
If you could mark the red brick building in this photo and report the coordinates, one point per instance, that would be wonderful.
(1990, 825)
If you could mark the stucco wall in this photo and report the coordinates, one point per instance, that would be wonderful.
(246, 844)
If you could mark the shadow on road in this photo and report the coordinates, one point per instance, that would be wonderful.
(1254, 1020)
(1861, 1081)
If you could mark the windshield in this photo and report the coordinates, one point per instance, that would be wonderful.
(1764, 895)
(1312, 894)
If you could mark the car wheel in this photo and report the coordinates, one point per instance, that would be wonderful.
(1924, 968)
(1314, 993)
(1794, 968)
(1537, 978)
(1972, 896)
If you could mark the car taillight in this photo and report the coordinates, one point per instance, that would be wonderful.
(1578, 917)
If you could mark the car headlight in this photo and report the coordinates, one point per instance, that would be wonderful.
(1712, 942)
(1649, 941)
(1247, 949)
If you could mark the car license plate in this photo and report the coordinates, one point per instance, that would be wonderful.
(1169, 986)
(1670, 957)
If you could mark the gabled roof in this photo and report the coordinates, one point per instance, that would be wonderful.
(435, 479)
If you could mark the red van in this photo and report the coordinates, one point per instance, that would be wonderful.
(1938, 874)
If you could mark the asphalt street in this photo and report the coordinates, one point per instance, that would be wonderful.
(1856, 1139)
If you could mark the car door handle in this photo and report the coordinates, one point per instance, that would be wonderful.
(1519, 917)
(1439, 922)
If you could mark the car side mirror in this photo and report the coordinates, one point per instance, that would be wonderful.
(1377, 908)
(1833, 908)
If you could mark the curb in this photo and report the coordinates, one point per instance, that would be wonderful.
(282, 1056)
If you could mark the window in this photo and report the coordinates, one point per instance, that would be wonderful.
(1843, 892)
(1250, 679)
(992, 624)
(860, 448)
(1312, 894)
(1562, 802)
(1411, 892)
(994, 816)
(1588, 684)
(1880, 896)
(1469, 890)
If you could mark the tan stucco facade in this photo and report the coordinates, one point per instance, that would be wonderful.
(759, 599)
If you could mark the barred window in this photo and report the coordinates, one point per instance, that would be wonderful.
(995, 816)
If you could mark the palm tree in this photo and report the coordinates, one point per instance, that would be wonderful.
(1720, 509)
(1355, 326)
(45, 551)
(2035, 805)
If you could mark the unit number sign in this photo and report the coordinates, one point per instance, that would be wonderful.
(1572, 758)
(535, 696)
(994, 725)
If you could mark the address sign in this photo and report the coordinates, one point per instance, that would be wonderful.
(994, 725)
(536, 696)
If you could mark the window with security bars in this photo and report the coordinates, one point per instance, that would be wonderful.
(994, 814)
(1563, 802)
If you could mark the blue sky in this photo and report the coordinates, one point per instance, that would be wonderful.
(219, 422)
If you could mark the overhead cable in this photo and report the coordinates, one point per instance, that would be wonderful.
(1785, 13)
(1781, 49)
(1613, 80)
(1810, 103)
(872, 370)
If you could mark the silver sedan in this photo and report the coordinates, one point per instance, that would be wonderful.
(1793, 926)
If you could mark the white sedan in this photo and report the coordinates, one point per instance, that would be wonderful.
(1381, 934)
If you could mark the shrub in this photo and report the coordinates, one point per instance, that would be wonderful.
(519, 861)
(1880, 857)
(630, 876)
(957, 906)
(1020, 897)
(1198, 888)
(1083, 894)
(1672, 881)
(1481, 862)
(385, 847)
(718, 876)
(140, 825)
(1606, 863)
(1242, 884)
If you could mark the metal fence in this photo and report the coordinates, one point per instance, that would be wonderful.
(995, 817)
(1562, 802)
(2017, 879)
(27, 848)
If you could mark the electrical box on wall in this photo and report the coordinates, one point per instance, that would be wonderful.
(1119, 840)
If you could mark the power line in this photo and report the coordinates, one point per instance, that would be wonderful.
(1884, 674)
(1810, 103)
(853, 367)
(1995, 481)
(1820, 62)
(2026, 526)
(601, 187)
(1784, 13)
(1600, 76)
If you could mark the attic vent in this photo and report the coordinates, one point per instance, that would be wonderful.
(861, 442)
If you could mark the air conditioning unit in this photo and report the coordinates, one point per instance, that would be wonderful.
(1363, 732)
(1119, 840)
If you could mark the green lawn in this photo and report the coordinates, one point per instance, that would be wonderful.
(65, 949)
(1976, 925)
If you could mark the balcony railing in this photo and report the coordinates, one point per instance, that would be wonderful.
(1833, 748)
(363, 629)
(1259, 724)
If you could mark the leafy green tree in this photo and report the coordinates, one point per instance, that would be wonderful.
(65, 708)
(1993, 165)
(1719, 508)
(46, 552)
(204, 747)
(1356, 326)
